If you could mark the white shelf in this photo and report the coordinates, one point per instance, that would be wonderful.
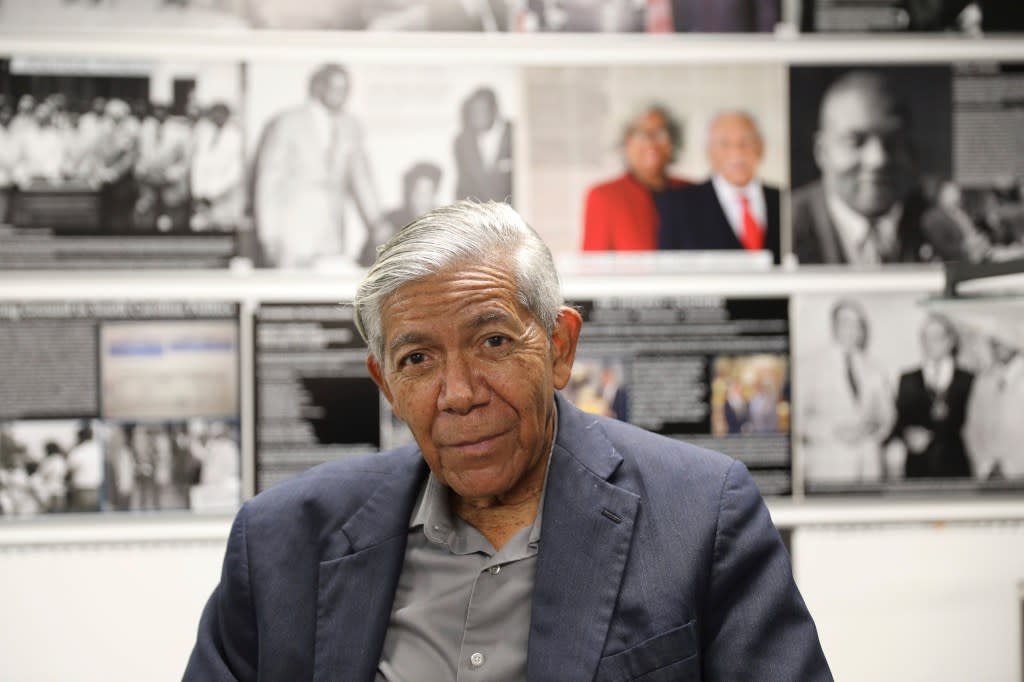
(509, 48)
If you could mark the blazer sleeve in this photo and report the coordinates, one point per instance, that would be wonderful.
(226, 645)
(759, 627)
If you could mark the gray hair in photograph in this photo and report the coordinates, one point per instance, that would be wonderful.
(742, 113)
(463, 232)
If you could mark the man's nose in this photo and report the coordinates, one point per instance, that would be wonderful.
(874, 153)
(461, 389)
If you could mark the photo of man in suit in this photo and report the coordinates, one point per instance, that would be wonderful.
(309, 164)
(866, 207)
(483, 150)
(732, 209)
(518, 538)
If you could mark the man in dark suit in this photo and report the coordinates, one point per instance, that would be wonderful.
(483, 150)
(866, 209)
(519, 539)
(732, 209)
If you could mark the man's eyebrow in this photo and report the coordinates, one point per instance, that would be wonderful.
(490, 317)
(408, 338)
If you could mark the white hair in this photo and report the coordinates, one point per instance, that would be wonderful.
(463, 232)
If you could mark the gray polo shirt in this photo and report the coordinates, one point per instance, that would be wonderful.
(462, 608)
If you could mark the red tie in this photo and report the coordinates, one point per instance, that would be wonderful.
(753, 235)
(659, 17)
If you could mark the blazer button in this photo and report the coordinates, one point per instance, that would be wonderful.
(476, 659)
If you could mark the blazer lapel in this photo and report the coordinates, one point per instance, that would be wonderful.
(357, 581)
(585, 540)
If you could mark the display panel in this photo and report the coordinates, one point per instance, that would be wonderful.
(708, 370)
(969, 17)
(894, 394)
(119, 406)
(345, 155)
(907, 164)
(114, 163)
(315, 400)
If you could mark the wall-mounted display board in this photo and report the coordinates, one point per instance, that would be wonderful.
(119, 405)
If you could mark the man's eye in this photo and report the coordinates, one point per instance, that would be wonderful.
(413, 359)
(496, 341)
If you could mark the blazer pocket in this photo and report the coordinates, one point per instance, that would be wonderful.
(671, 655)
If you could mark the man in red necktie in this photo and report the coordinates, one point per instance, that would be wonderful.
(732, 209)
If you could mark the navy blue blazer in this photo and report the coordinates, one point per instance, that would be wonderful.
(657, 560)
(691, 218)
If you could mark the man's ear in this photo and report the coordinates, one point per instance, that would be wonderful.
(377, 374)
(563, 344)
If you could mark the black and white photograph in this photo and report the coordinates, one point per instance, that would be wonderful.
(51, 466)
(345, 155)
(90, 465)
(906, 164)
(116, 405)
(609, 147)
(865, 143)
(707, 370)
(117, 163)
(963, 17)
(894, 394)
(152, 466)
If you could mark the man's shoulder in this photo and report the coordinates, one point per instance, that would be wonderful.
(648, 452)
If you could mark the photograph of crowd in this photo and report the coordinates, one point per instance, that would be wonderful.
(901, 397)
(88, 466)
(120, 147)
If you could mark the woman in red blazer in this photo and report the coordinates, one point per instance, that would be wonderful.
(620, 214)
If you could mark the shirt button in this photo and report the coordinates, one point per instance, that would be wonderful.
(494, 570)
(476, 660)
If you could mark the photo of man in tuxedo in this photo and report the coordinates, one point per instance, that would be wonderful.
(732, 209)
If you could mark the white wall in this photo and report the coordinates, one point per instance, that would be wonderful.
(924, 602)
(935, 602)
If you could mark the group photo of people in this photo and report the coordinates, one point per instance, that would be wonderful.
(902, 397)
(90, 466)
(104, 154)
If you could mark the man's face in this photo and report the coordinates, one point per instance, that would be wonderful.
(422, 196)
(734, 149)
(334, 91)
(648, 146)
(848, 329)
(863, 151)
(472, 373)
(482, 113)
(936, 343)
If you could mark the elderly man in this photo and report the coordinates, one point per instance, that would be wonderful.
(732, 209)
(866, 209)
(310, 162)
(519, 538)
